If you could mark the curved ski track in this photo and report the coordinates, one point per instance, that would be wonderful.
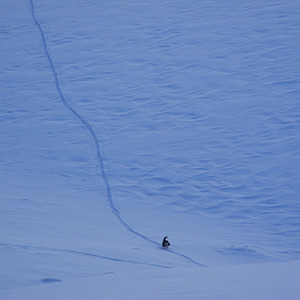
(84, 253)
(96, 143)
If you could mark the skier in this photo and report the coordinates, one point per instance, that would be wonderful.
(165, 242)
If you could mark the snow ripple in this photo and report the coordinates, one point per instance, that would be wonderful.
(112, 206)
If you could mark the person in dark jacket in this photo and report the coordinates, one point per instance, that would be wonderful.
(165, 242)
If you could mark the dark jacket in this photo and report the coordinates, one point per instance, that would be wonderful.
(165, 242)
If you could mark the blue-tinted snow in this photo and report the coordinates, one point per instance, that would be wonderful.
(195, 107)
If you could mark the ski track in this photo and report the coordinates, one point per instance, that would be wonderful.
(84, 253)
(112, 206)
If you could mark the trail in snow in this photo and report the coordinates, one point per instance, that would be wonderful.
(96, 143)
(85, 253)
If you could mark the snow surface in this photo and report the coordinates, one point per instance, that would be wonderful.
(125, 121)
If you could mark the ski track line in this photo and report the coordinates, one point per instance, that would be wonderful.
(96, 142)
(84, 253)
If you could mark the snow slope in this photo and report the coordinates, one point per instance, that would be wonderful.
(262, 281)
(122, 122)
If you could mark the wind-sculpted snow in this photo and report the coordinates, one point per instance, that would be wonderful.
(96, 143)
(126, 121)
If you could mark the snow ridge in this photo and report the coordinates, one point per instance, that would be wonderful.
(112, 206)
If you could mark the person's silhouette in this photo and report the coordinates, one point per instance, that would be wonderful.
(165, 242)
